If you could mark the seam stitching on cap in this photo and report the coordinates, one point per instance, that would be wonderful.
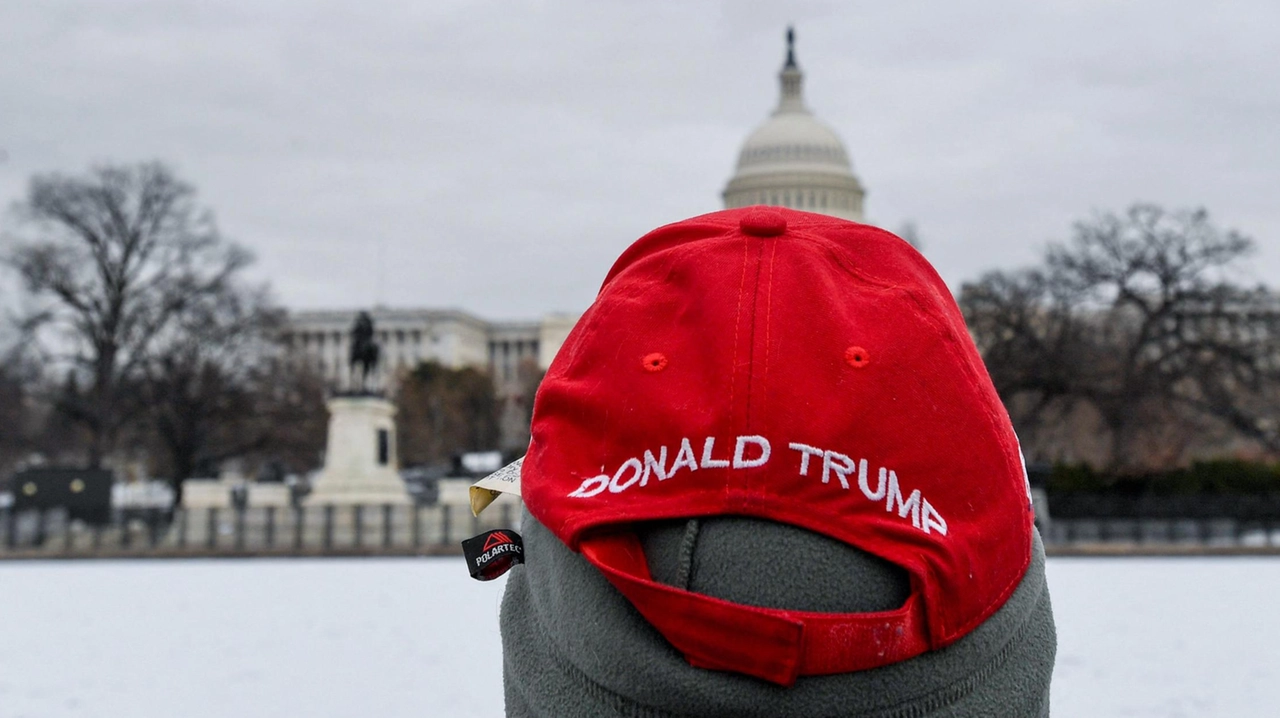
(768, 326)
(751, 346)
(737, 324)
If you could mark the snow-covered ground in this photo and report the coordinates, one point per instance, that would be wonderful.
(418, 637)
(1171, 637)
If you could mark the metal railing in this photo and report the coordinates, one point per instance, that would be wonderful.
(424, 530)
(1208, 533)
(272, 530)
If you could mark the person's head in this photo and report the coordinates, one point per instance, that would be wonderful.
(769, 475)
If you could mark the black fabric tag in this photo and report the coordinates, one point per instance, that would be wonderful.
(493, 553)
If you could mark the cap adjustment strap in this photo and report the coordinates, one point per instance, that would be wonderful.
(772, 644)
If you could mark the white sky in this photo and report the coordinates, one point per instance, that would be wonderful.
(497, 156)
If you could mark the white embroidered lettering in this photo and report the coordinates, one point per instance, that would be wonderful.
(911, 505)
(684, 457)
(657, 466)
(934, 520)
(805, 452)
(839, 463)
(615, 486)
(862, 483)
(1026, 477)
(596, 484)
(739, 451)
(707, 461)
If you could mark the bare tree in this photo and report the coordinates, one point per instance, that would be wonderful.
(114, 257)
(445, 411)
(1139, 316)
(218, 386)
(16, 420)
(1033, 343)
(529, 376)
(1027, 330)
(200, 378)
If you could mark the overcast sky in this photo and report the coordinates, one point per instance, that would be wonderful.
(497, 156)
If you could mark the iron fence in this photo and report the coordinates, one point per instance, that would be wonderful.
(408, 530)
(1211, 533)
(270, 530)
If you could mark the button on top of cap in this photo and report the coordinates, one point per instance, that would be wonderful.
(763, 223)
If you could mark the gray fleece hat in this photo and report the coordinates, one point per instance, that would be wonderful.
(574, 646)
(769, 475)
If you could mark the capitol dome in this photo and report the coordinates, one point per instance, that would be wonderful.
(794, 159)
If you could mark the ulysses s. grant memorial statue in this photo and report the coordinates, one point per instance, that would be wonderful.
(360, 463)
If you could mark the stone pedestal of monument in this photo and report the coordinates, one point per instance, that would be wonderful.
(360, 464)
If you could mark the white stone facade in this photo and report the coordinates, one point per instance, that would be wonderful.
(408, 337)
(794, 160)
(453, 338)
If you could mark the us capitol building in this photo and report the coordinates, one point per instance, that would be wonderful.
(792, 160)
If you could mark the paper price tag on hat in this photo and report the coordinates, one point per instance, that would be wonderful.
(504, 481)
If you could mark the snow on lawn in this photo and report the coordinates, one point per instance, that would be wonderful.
(248, 638)
(418, 637)
(1171, 637)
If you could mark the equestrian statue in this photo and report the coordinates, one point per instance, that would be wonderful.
(364, 352)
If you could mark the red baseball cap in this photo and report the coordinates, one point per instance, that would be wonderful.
(799, 368)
